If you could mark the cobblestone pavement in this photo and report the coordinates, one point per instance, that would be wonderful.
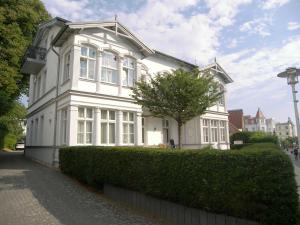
(32, 194)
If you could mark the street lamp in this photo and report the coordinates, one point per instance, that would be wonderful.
(291, 74)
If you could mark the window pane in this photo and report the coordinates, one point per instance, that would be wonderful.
(92, 64)
(83, 67)
(104, 114)
(111, 133)
(114, 77)
(92, 53)
(125, 116)
(124, 76)
(89, 113)
(130, 78)
(131, 128)
(89, 126)
(89, 138)
(80, 138)
(132, 138)
(130, 116)
(103, 74)
(80, 127)
(84, 51)
(125, 133)
(103, 133)
(81, 112)
(109, 60)
(112, 115)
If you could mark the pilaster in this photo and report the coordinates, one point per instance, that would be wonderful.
(96, 138)
(72, 125)
(138, 129)
(120, 71)
(75, 68)
(119, 128)
(98, 70)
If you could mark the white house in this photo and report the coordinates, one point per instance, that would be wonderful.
(80, 79)
(285, 130)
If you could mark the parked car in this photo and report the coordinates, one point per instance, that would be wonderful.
(20, 145)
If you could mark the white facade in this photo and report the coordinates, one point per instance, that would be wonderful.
(285, 130)
(259, 123)
(80, 92)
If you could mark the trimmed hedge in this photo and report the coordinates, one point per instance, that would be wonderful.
(257, 183)
(253, 137)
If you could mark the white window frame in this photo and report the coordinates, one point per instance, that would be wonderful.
(222, 130)
(85, 120)
(67, 66)
(126, 132)
(107, 121)
(106, 67)
(214, 130)
(205, 129)
(126, 69)
(88, 59)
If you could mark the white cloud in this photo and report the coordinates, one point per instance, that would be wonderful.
(258, 26)
(250, 68)
(293, 25)
(271, 4)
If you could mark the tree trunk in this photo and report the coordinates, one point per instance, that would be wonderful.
(179, 125)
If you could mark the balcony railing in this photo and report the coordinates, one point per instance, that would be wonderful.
(34, 59)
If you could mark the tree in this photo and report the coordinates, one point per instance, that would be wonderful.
(181, 95)
(18, 24)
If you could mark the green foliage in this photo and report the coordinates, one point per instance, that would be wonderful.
(181, 95)
(256, 183)
(18, 25)
(289, 142)
(253, 137)
(10, 125)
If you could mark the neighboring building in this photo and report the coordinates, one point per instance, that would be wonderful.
(259, 123)
(236, 120)
(284, 130)
(80, 80)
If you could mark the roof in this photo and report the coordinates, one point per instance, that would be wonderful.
(259, 114)
(235, 117)
(220, 71)
(233, 129)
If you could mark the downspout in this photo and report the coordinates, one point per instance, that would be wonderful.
(55, 112)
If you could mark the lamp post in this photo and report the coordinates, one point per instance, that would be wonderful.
(291, 74)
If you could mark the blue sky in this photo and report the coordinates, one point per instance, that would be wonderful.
(252, 40)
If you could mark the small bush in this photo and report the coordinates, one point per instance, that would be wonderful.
(10, 141)
(256, 183)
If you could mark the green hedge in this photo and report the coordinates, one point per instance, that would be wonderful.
(253, 137)
(256, 183)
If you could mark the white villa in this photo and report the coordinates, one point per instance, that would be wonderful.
(80, 79)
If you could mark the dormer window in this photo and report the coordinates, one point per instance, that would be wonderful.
(88, 62)
(128, 71)
(109, 70)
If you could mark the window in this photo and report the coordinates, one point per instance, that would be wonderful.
(222, 97)
(85, 126)
(41, 131)
(109, 71)
(88, 62)
(214, 130)
(44, 82)
(67, 61)
(128, 71)
(64, 116)
(36, 131)
(205, 130)
(108, 127)
(222, 131)
(165, 129)
(38, 87)
(143, 129)
(128, 128)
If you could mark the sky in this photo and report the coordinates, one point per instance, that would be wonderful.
(253, 40)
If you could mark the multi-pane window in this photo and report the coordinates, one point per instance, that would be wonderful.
(222, 97)
(165, 126)
(222, 131)
(64, 117)
(109, 71)
(214, 130)
(85, 126)
(87, 62)
(67, 61)
(128, 71)
(108, 127)
(205, 130)
(128, 128)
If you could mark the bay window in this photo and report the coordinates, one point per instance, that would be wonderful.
(109, 70)
(85, 125)
(128, 128)
(108, 127)
(87, 62)
(128, 72)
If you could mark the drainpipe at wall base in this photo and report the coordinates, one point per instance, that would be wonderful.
(55, 112)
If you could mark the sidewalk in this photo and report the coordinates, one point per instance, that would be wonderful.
(296, 168)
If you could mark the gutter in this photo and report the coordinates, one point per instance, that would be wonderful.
(55, 112)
